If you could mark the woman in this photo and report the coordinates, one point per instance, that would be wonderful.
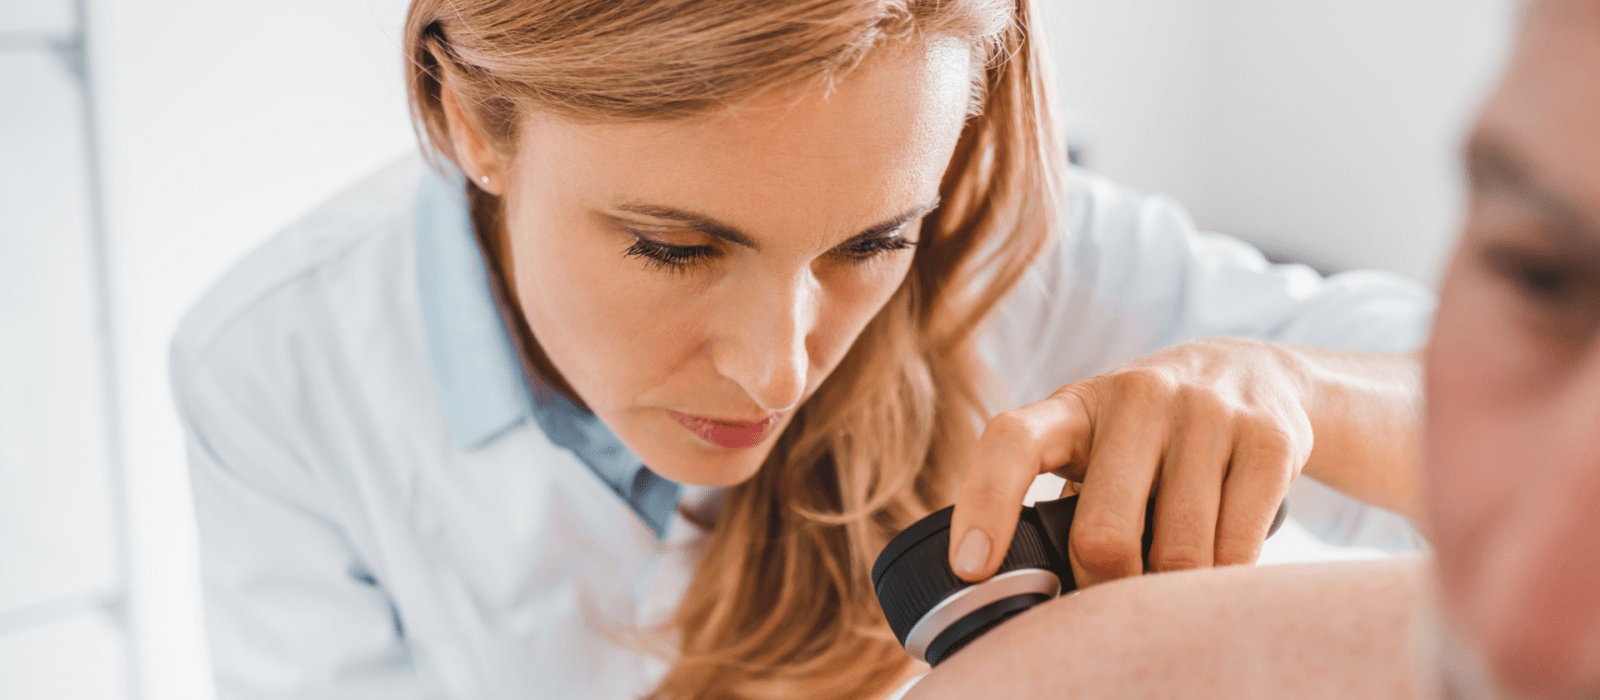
(774, 251)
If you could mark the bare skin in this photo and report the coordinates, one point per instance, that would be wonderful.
(1305, 631)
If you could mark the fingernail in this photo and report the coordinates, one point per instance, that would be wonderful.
(973, 553)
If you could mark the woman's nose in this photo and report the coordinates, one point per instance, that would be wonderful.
(763, 343)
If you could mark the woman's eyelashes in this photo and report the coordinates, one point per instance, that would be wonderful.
(677, 258)
(665, 256)
(876, 245)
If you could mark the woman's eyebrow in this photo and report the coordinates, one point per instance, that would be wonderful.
(698, 222)
(712, 227)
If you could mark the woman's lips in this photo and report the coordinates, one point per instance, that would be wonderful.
(731, 434)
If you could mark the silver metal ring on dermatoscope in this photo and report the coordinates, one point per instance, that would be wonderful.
(967, 600)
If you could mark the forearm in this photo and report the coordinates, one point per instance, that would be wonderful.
(1322, 630)
(1365, 410)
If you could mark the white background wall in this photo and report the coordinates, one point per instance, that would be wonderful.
(224, 120)
(1325, 130)
(62, 575)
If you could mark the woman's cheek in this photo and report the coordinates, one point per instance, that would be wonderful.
(590, 314)
(854, 298)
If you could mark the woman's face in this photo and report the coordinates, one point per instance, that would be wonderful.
(695, 281)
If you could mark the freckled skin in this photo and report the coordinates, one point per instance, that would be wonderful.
(751, 332)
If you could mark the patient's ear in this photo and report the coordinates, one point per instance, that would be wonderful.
(482, 164)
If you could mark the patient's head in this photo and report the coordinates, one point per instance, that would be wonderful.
(1513, 437)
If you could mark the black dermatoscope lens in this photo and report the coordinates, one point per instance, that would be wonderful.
(934, 613)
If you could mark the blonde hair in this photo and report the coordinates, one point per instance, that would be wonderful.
(781, 604)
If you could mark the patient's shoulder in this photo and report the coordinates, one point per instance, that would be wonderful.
(1338, 629)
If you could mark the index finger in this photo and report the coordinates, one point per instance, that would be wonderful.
(1015, 447)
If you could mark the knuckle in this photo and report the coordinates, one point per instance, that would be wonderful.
(1146, 383)
(1284, 424)
(1266, 428)
(1202, 404)
(1178, 557)
(1272, 449)
(1266, 437)
(1086, 395)
(1012, 427)
(1236, 550)
(1199, 396)
(1102, 547)
(1071, 399)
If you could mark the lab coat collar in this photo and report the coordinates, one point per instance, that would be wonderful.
(474, 364)
(482, 387)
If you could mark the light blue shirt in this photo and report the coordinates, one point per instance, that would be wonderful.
(389, 509)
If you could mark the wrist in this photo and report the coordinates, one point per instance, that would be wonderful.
(1364, 409)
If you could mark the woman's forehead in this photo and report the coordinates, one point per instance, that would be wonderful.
(899, 84)
(863, 150)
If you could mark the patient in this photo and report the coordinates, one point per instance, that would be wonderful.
(1512, 472)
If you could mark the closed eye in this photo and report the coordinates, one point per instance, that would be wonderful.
(867, 248)
(669, 257)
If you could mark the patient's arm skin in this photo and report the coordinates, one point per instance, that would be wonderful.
(1329, 630)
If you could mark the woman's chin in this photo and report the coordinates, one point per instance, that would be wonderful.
(710, 466)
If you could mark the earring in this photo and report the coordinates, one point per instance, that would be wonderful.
(484, 179)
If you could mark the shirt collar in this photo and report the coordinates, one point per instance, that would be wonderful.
(482, 387)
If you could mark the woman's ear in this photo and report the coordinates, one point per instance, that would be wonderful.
(481, 163)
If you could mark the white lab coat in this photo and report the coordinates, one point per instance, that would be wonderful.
(380, 518)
